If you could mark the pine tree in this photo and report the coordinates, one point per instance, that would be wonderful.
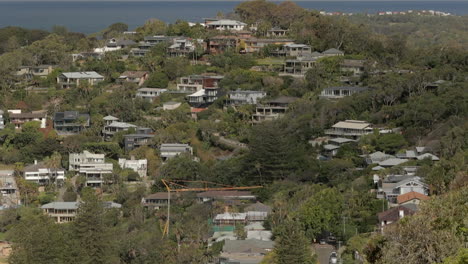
(292, 246)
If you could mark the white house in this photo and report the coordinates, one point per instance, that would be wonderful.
(226, 24)
(169, 151)
(139, 166)
(40, 173)
(18, 118)
(90, 165)
(245, 97)
(349, 128)
(69, 79)
(150, 93)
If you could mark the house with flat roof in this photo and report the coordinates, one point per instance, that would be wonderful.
(355, 67)
(350, 128)
(183, 46)
(64, 212)
(157, 200)
(139, 166)
(137, 77)
(296, 50)
(150, 93)
(73, 79)
(28, 72)
(277, 32)
(18, 118)
(109, 130)
(71, 122)
(341, 91)
(114, 45)
(195, 83)
(272, 109)
(168, 151)
(42, 174)
(149, 42)
(220, 44)
(226, 25)
(142, 137)
(225, 195)
(241, 97)
(252, 45)
(299, 66)
(90, 165)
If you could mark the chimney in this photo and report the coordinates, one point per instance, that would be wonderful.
(35, 162)
(402, 213)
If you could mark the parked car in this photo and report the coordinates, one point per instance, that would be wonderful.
(322, 242)
(333, 258)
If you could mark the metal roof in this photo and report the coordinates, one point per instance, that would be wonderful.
(352, 124)
(83, 75)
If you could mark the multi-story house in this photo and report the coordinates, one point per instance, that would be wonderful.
(182, 46)
(277, 32)
(255, 44)
(28, 72)
(355, 67)
(90, 165)
(341, 91)
(138, 166)
(42, 174)
(350, 128)
(226, 25)
(114, 45)
(272, 109)
(299, 66)
(150, 93)
(18, 118)
(332, 52)
(221, 44)
(64, 212)
(194, 83)
(72, 79)
(110, 129)
(70, 122)
(142, 137)
(168, 151)
(240, 97)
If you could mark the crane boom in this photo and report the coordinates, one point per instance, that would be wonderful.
(182, 188)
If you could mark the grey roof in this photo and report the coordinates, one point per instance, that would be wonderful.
(61, 205)
(427, 155)
(147, 89)
(110, 118)
(284, 100)
(245, 92)
(341, 140)
(333, 51)
(331, 147)
(138, 136)
(408, 180)
(121, 125)
(392, 162)
(83, 75)
(316, 54)
(377, 168)
(174, 147)
(248, 246)
(227, 22)
(39, 165)
(258, 207)
(171, 103)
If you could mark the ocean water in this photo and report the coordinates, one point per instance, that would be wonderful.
(93, 16)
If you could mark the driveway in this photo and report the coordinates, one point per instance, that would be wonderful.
(323, 252)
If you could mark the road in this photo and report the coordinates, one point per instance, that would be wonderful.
(323, 252)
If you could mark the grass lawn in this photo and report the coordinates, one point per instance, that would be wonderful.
(270, 61)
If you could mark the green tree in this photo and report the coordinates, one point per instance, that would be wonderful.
(292, 246)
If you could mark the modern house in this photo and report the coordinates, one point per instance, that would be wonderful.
(341, 91)
(150, 93)
(90, 165)
(28, 72)
(137, 77)
(157, 200)
(64, 212)
(252, 45)
(73, 79)
(230, 219)
(18, 118)
(272, 109)
(168, 151)
(204, 97)
(355, 67)
(114, 45)
(296, 50)
(221, 44)
(226, 24)
(350, 128)
(182, 46)
(142, 137)
(138, 166)
(109, 130)
(240, 97)
(299, 66)
(149, 42)
(195, 83)
(396, 185)
(42, 174)
(70, 122)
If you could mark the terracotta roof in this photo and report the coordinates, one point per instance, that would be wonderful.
(197, 110)
(410, 196)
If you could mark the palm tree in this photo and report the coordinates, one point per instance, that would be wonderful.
(53, 164)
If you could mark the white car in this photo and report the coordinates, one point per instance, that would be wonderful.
(333, 258)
